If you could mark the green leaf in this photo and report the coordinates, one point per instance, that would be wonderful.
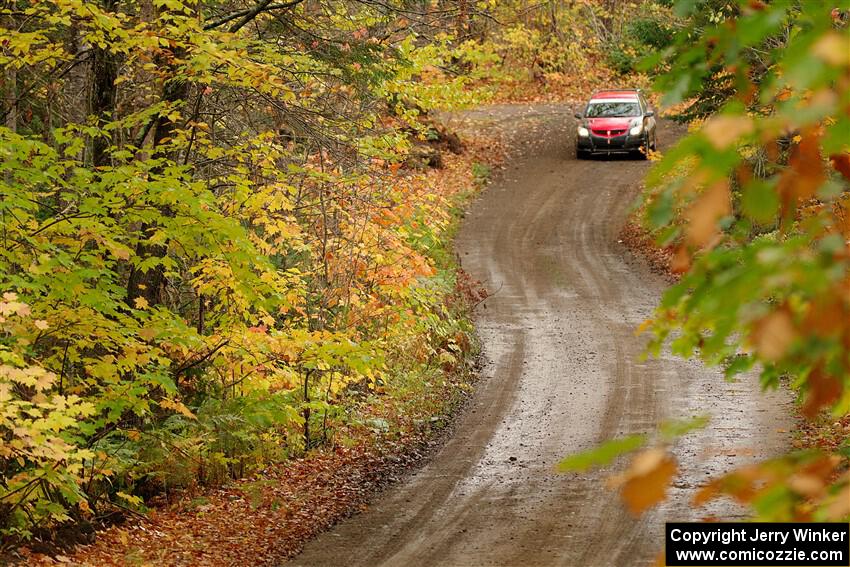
(672, 430)
(760, 202)
(601, 455)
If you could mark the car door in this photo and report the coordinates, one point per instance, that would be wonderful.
(649, 123)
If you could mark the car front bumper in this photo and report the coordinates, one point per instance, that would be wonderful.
(614, 144)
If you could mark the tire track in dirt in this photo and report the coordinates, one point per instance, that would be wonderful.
(561, 373)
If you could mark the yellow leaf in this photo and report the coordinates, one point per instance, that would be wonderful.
(43, 379)
(41, 324)
(141, 303)
(120, 252)
(643, 327)
(833, 49)
(177, 406)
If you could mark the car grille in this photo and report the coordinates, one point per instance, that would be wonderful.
(608, 133)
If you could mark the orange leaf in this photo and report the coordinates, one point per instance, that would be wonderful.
(823, 391)
(681, 260)
(739, 484)
(826, 316)
(645, 483)
(806, 484)
(707, 493)
(805, 173)
(841, 163)
(703, 215)
(807, 162)
(773, 334)
(839, 508)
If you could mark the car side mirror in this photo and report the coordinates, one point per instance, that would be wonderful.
(649, 114)
(578, 115)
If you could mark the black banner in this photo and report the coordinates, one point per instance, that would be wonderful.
(757, 544)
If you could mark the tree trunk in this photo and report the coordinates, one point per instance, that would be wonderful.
(10, 89)
(150, 285)
(104, 93)
(10, 81)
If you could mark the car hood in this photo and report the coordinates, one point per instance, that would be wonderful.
(609, 123)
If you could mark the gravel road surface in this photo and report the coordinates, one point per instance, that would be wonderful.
(561, 373)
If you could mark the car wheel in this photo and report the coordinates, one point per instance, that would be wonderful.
(581, 154)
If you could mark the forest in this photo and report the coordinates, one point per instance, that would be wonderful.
(228, 259)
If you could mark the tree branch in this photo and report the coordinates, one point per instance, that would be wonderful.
(250, 14)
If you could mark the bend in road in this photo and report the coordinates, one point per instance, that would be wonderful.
(561, 373)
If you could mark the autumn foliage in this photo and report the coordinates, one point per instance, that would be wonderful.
(749, 214)
(213, 239)
(222, 241)
(754, 203)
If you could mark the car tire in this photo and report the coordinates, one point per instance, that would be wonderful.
(581, 154)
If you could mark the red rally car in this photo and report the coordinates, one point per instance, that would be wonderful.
(615, 121)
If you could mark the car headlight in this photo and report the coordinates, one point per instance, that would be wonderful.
(636, 130)
(582, 131)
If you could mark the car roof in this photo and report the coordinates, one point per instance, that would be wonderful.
(631, 94)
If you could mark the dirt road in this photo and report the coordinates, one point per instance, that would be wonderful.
(561, 374)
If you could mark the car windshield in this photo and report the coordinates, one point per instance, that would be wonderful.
(612, 109)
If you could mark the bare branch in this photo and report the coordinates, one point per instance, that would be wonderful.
(250, 14)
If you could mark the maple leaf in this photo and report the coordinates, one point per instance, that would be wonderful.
(709, 208)
(824, 390)
(722, 131)
(645, 482)
(773, 334)
(177, 406)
